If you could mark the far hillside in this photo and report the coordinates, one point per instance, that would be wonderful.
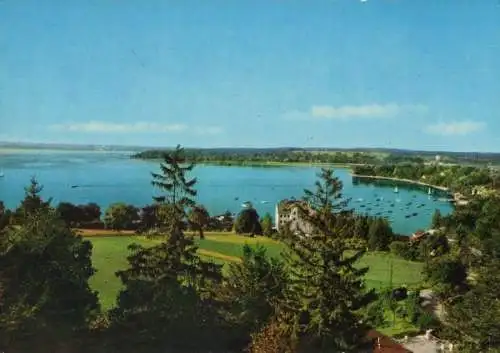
(327, 155)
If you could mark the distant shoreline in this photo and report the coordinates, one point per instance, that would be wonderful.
(264, 164)
(407, 181)
(16, 150)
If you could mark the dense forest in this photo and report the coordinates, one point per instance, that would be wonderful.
(312, 298)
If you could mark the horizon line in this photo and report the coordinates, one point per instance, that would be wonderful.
(56, 144)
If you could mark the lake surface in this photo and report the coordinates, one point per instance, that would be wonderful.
(107, 177)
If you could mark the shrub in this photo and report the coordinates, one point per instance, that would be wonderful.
(356, 244)
(399, 248)
(427, 321)
(376, 313)
(270, 340)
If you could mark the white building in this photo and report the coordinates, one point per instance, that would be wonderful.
(287, 213)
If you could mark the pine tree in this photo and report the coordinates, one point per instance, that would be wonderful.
(32, 201)
(45, 267)
(168, 288)
(327, 290)
(179, 190)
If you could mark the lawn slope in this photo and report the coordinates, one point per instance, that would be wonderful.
(110, 255)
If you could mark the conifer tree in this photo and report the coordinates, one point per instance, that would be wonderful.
(32, 201)
(327, 291)
(179, 191)
(168, 287)
(45, 267)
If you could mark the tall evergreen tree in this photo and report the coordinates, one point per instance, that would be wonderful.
(44, 272)
(32, 201)
(327, 290)
(168, 288)
(178, 189)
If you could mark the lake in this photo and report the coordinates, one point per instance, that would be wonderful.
(107, 177)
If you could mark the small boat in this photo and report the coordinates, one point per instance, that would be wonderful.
(414, 214)
(407, 216)
(246, 204)
(264, 202)
(74, 186)
(429, 192)
(1, 174)
(236, 198)
(396, 190)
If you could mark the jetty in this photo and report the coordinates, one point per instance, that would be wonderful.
(398, 180)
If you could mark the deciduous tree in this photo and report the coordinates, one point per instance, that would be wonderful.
(120, 216)
(248, 222)
(267, 225)
(199, 218)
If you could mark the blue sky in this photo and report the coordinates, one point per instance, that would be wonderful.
(418, 74)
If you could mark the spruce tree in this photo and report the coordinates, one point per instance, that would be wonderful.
(45, 268)
(327, 290)
(168, 287)
(179, 191)
(32, 202)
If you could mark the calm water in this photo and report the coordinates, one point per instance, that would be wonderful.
(106, 177)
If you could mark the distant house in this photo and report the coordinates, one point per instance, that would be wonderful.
(287, 214)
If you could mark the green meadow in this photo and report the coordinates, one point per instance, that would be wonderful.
(110, 255)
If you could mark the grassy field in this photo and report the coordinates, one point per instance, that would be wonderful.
(110, 255)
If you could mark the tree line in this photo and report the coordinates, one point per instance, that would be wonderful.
(279, 156)
(369, 232)
(456, 177)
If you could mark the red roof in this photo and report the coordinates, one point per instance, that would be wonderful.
(387, 344)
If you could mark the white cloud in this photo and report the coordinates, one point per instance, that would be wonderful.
(455, 128)
(209, 130)
(132, 128)
(351, 112)
(104, 127)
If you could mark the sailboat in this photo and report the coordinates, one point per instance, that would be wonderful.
(396, 190)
